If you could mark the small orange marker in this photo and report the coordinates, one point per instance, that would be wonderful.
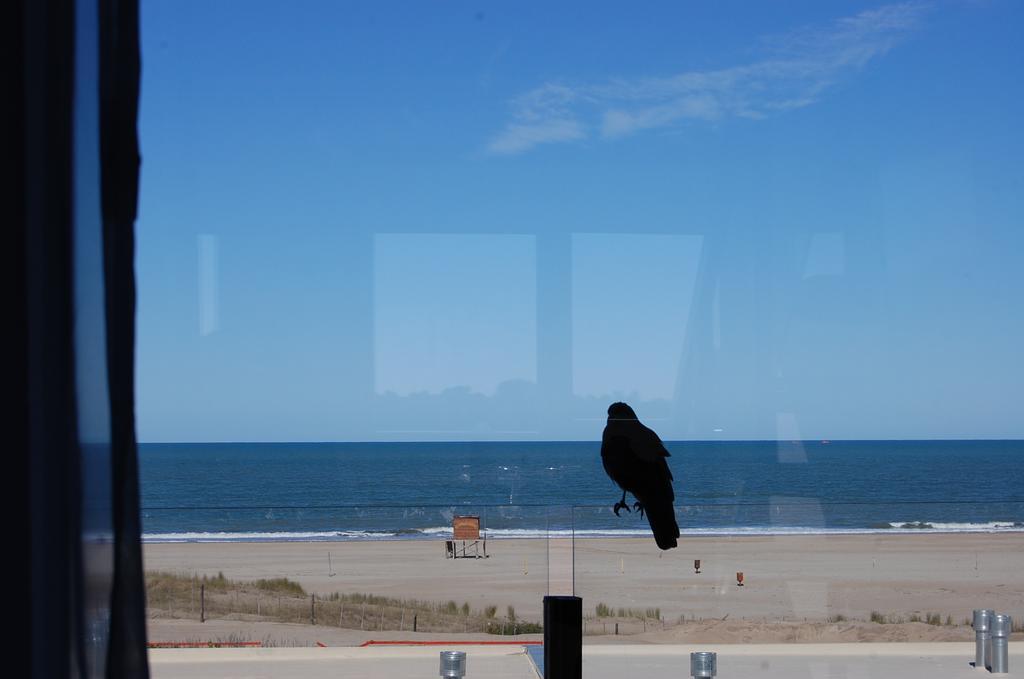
(739, 578)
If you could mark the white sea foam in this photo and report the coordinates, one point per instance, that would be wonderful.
(257, 536)
(941, 527)
(440, 532)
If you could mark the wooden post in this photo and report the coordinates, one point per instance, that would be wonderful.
(202, 602)
(414, 619)
(341, 614)
(401, 625)
(312, 609)
(362, 615)
(380, 626)
(616, 629)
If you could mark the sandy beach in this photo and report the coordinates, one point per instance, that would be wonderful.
(796, 588)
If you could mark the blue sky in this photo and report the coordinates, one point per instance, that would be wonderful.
(427, 221)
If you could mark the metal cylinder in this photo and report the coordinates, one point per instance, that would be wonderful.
(999, 660)
(453, 664)
(982, 636)
(703, 664)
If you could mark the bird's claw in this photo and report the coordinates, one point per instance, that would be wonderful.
(640, 508)
(620, 505)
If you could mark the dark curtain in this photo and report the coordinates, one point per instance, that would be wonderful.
(119, 179)
(39, 115)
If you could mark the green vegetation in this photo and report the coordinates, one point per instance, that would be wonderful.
(178, 595)
(603, 610)
(928, 618)
(279, 586)
(216, 583)
(514, 628)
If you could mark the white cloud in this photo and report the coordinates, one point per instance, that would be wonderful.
(794, 72)
(519, 137)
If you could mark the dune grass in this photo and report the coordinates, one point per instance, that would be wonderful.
(603, 610)
(934, 619)
(283, 600)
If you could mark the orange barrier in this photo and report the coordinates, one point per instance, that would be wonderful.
(204, 644)
(396, 642)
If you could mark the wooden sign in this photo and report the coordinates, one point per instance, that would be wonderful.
(466, 527)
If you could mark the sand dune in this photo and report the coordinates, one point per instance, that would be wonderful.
(796, 588)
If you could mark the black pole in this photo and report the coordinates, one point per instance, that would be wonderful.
(563, 637)
(202, 603)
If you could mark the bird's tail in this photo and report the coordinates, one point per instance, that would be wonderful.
(662, 517)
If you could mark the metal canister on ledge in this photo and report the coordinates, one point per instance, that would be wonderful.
(999, 660)
(453, 664)
(982, 636)
(703, 664)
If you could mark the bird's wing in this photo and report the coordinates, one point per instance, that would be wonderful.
(630, 452)
(646, 444)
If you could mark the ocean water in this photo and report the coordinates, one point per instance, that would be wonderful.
(375, 491)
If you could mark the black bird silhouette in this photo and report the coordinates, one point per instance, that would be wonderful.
(634, 458)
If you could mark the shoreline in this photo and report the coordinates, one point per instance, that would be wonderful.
(432, 534)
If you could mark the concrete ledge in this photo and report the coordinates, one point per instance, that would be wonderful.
(944, 649)
(795, 661)
(764, 661)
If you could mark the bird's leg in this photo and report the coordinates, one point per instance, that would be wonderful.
(639, 507)
(621, 504)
